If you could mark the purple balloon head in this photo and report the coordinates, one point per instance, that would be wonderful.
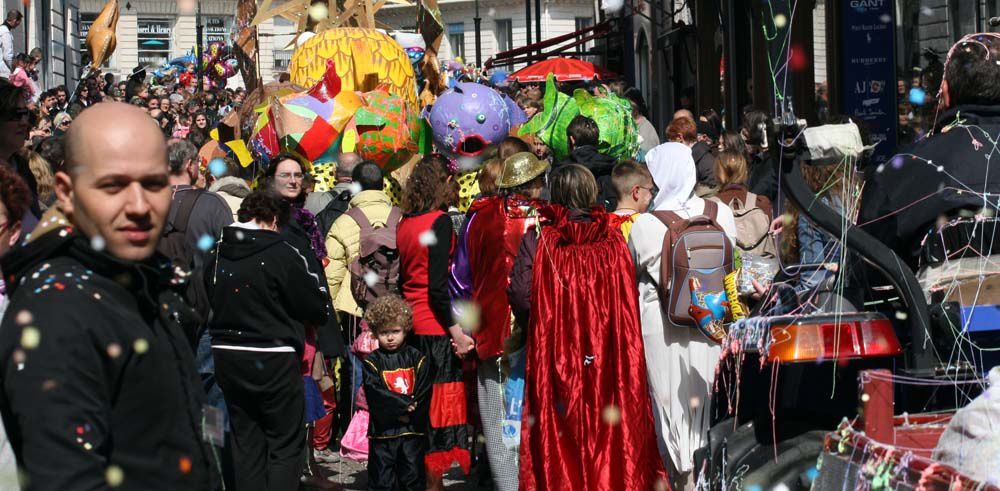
(470, 119)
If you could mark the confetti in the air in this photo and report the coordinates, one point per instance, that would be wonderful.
(318, 11)
(865, 397)
(217, 167)
(114, 350)
(468, 315)
(354, 188)
(901, 315)
(917, 96)
(24, 318)
(371, 278)
(427, 238)
(97, 243)
(140, 346)
(780, 21)
(206, 242)
(30, 337)
(185, 465)
(611, 415)
(114, 475)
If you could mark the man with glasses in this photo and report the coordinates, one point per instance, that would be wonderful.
(13, 20)
(634, 190)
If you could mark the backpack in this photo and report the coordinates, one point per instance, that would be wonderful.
(173, 244)
(375, 272)
(752, 226)
(693, 249)
(332, 211)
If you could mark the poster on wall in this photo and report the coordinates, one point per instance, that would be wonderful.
(869, 70)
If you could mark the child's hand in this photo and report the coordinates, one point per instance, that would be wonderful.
(412, 407)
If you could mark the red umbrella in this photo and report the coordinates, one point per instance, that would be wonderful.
(563, 68)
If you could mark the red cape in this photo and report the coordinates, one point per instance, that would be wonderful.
(587, 422)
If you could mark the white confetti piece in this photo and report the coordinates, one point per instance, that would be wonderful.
(24, 318)
(114, 475)
(371, 278)
(468, 315)
(97, 243)
(611, 415)
(30, 337)
(427, 238)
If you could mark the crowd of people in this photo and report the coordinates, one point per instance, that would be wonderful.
(167, 325)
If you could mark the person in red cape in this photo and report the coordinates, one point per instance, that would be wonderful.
(486, 250)
(587, 421)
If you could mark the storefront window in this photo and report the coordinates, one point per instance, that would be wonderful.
(154, 41)
(217, 29)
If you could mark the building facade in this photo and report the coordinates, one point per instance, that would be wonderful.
(152, 32)
(53, 26)
(503, 25)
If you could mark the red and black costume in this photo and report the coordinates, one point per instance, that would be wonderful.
(587, 421)
(425, 244)
(393, 381)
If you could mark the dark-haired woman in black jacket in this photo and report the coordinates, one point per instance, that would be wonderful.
(263, 293)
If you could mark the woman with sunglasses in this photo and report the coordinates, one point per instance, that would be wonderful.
(16, 121)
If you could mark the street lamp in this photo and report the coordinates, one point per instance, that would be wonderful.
(200, 49)
(478, 22)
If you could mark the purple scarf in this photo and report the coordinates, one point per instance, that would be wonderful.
(307, 221)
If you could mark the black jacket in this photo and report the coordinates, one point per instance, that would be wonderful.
(600, 165)
(763, 178)
(704, 162)
(393, 380)
(330, 339)
(96, 371)
(936, 176)
(262, 291)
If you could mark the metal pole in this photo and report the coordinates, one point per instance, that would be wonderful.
(199, 49)
(733, 79)
(538, 23)
(527, 22)
(479, 41)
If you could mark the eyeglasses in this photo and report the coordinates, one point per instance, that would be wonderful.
(288, 176)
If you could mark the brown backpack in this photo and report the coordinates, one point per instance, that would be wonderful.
(693, 248)
(375, 272)
(752, 226)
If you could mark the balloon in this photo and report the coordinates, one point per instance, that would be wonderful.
(101, 39)
(470, 119)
